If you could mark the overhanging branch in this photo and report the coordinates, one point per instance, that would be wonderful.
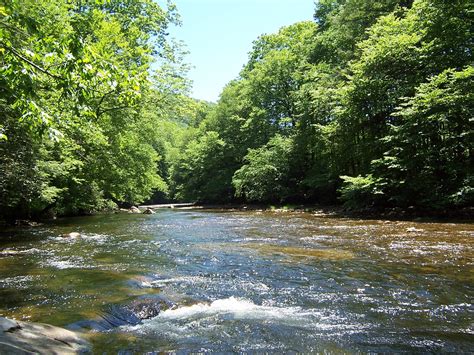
(34, 65)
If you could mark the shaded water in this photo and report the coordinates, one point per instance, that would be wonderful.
(249, 281)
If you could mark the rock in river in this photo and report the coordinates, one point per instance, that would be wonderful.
(134, 209)
(148, 211)
(116, 315)
(27, 338)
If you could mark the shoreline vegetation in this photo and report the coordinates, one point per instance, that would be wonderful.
(369, 107)
(466, 214)
(338, 211)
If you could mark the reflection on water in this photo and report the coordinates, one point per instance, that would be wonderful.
(249, 281)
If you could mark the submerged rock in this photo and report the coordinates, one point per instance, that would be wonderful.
(132, 313)
(26, 223)
(301, 252)
(146, 308)
(26, 338)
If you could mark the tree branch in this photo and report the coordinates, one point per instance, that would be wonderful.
(101, 100)
(34, 65)
(111, 109)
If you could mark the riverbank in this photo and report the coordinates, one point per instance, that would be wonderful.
(410, 214)
(462, 215)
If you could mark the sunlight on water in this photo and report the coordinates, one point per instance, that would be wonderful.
(248, 281)
(329, 254)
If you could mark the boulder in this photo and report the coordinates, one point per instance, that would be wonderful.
(27, 338)
(148, 307)
(116, 315)
(26, 223)
(8, 325)
(134, 209)
(148, 211)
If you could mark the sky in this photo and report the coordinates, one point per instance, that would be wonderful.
(219, 35)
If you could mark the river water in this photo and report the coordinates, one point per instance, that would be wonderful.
(249, 281)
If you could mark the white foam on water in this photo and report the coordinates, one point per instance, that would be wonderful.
(454, 307)
(467, 331)
(250, 239)
(98, 238)
(71, 263)
(19, 282)
(131, 241)
(13, 252)
(450, 247)
(63, 240)
(63, 264)
(238, 308)
(234, 315)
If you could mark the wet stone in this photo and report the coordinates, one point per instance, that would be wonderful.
(132, 313)
(38, 338)
(7, 325)
(134, 209)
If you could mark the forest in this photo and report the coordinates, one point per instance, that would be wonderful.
(370, 105)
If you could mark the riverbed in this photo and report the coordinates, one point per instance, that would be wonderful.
(249, 281)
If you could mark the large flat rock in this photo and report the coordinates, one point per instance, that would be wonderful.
(28, 338)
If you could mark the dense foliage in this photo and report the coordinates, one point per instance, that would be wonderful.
(80, 108)
(371, 104)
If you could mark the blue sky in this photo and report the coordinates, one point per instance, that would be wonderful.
(219, 35)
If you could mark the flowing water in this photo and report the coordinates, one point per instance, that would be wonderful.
(249, 281)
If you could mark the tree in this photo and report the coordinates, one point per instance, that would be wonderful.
(404, 51)
(343, 24)
(429, 163)
(201, 173)
(264, 177)
(73, 75)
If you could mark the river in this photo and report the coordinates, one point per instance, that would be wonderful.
(249, 281)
